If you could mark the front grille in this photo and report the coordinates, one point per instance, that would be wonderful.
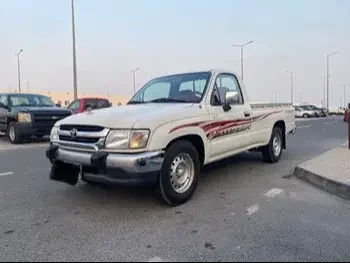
(89, 137)
(81, 128)
(41, 120)
(78, 139)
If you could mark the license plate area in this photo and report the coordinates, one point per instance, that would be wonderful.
(78, 166)
(66, 172)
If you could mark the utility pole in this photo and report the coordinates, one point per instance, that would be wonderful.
(75, 82)
(291, 86)
(19, 70)
(328, 55)
(242, 58)
(134, 78)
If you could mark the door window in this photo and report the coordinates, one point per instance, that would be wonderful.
(74, 105)
(102, 104)
(91, 103)
(225, 82)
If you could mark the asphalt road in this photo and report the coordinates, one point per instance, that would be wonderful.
(243, 210)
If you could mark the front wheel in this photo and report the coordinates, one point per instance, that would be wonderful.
(306, 116)
(273, 151)
(12, 133)
(179, 175)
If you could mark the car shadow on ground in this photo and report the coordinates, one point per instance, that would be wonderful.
(33, 139)
(212, 176)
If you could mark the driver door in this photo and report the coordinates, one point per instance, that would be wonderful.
(229, 130)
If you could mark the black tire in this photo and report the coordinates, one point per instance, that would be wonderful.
(164, 188)
(306, 116)
(15, 138)
(268, 152)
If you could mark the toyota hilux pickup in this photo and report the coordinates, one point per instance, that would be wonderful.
(170, 129)
(24, 115)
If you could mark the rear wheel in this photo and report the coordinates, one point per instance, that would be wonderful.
(179, 175)
(306, 116)
(273, 151)
(12, 133)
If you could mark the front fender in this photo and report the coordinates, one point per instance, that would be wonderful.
(165, 134)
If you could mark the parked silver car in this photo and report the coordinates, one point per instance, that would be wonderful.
(318, 112)
(304, 112)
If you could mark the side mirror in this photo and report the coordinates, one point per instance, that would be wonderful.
(58, 105)
(231, 97)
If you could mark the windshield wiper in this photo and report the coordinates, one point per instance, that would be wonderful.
(164, 100)
(136, 102)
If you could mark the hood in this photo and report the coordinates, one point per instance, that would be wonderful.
(42, 109)
(134, 116)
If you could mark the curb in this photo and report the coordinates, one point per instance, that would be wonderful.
(336, 188)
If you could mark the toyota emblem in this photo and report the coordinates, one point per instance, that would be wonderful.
(73, 133)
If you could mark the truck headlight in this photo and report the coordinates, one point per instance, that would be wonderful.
(54, 134)
(138, 139)
(127, 139)
(24, 117)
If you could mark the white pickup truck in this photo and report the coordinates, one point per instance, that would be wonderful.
(172, 127)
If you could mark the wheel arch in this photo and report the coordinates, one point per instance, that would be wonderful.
(282, 125)
(196, 140)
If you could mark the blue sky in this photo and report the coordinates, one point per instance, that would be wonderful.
(167, 36)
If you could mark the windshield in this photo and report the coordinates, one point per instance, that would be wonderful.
(29, 100)
(183, 88)
(306, 107)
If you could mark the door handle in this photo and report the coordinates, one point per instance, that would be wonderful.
(246, 114)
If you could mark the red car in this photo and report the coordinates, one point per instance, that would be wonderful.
(83, 104)
(346, 115)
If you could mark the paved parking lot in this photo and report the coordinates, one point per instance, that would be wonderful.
(32, 143)
(242, 210)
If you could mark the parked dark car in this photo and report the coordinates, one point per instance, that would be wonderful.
(324, 112)
(25, 115)
(83, 104)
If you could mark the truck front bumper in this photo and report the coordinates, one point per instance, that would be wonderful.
(103, 167)
(28, 129)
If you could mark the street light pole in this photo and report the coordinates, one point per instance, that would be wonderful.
(75, 82)
(242, 58)
(324, 92)
(291, 86)
(328, 55)
(134, 78)
(19, 70)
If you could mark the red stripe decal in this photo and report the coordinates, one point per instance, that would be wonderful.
(220, 128)
(186, 126)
